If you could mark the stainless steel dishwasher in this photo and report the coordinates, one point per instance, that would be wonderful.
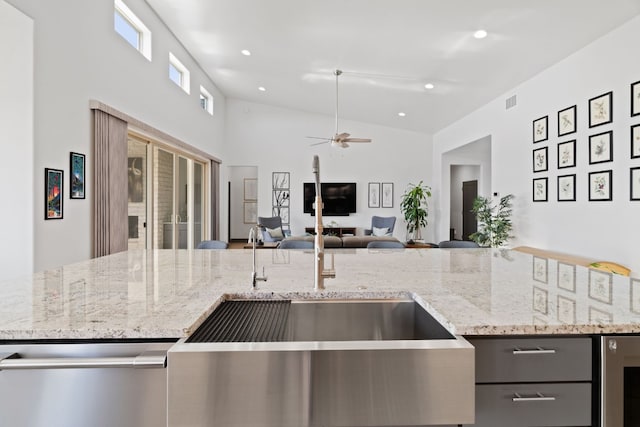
(80, 384)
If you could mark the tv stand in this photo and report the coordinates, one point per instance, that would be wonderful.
(333, 231)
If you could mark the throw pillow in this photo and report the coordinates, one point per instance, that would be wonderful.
(275, 233)
(380, 231)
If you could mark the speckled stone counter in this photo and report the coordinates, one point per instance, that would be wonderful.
(167, 293)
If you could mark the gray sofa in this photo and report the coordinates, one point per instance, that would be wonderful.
(346, 241)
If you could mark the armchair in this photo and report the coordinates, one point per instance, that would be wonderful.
(379, 223)
(271, 228)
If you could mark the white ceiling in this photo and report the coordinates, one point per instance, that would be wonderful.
(296, 45)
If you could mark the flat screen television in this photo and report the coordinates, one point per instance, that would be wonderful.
(339, 198)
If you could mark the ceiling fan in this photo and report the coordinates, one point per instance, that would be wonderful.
(339, 139)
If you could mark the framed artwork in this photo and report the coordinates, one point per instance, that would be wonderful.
(282, 212)
(250, 212)
(540, 300)
(567, 154)
(600, 185)
(635, 99)
(540, 131)
(53, 193)
(280, 198)
(280, 180)
(250, 189)
(634, 295)
(566, 310)
(540, 189)
(567, 276)
(601, 110)
(635, 141)
(540, 159)
(135, 179)
(634, 184)
(600, 286)
(374, 195)
(601, 148)
(540, 269)
(387, 194)
(599, 316)
(76, 167)
(567, 121)
(567, 188)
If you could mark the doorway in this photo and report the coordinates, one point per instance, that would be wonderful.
(243, 201)
(469, 221)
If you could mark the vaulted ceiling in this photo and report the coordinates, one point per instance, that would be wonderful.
(388, 49)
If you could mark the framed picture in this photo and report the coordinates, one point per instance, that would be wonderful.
(634, 184)
(280, 198)
(282, 212)
(540, 300)
(540, 159)
(540, 131)
(387, 194)
(76, 166)
(567, 154)
(567, 121)
(600, 185)
(566, 310)
(540, 269)
(635, 98)
(634, 295)
(540, 189)
(374, 194)
(250, 189)
(600, 286)
(135, 179)
(567, 276)
(250, 212)
(599, 316)
(601, 148)
(567, 188)
(635, 141)
(53, 193)
(280, 180)
(601, 110)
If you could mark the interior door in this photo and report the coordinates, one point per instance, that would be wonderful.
(469, 221)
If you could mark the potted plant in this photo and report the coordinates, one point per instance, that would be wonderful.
(494, 221)
(414, 208)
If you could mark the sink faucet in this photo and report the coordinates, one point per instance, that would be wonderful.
(319, 271)
(253, 236)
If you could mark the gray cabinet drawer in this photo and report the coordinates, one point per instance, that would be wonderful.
(532, 359)
(555, 405)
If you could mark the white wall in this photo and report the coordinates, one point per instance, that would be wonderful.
(16, 143)
(602, 230)
(237, 175)
(80, 57)
(274, 139)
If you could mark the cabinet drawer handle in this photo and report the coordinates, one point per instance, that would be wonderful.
(539, 397)
(537, 350)
(145, 360)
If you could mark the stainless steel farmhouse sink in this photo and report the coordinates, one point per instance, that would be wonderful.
(298, 363)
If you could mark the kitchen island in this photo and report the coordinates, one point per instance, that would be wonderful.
(168, 293)
(549, 314)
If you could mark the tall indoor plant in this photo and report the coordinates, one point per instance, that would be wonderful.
(494, 221)
(414, 207)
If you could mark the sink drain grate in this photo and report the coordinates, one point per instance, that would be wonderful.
(244, 321)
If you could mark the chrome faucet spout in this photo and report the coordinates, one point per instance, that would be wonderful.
(253, 236)
(319, 271)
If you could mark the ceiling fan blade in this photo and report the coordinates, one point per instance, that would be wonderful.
(319, 137)
(339, 144)
(321, 142)
(342, 135)
(357, 140)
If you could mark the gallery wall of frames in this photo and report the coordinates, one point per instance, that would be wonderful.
(598, 148)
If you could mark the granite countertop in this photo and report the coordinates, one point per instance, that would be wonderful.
(167, 293)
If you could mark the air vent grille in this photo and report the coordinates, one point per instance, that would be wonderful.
(511, 102)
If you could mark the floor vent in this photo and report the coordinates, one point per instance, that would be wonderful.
(511, 102)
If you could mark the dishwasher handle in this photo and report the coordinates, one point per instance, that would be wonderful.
(151, 359)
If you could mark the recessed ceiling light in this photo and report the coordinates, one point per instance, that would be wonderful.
(402, 114)
(262, 89)
(245, 52)
(429, 86)
(480, 34)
